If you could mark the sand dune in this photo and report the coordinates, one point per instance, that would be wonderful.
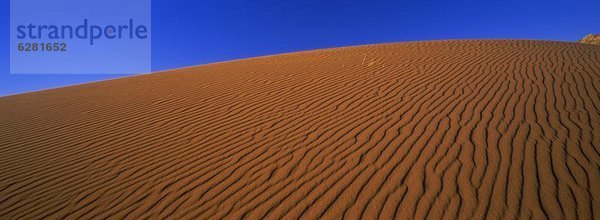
(443, 129)
(590, 39)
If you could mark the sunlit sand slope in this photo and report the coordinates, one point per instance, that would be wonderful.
(444, 129)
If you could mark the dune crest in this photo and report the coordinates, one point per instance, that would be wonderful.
(471, 129)
(591, 39)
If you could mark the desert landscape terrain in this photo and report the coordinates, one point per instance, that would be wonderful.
(590, 39)
(465, 129)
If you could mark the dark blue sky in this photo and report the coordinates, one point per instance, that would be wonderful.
(186, 32)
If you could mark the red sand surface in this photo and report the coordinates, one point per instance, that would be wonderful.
(443, 129)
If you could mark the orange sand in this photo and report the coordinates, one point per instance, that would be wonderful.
(443, 129)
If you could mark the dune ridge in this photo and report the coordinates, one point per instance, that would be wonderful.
(590, 39)
(470, 129)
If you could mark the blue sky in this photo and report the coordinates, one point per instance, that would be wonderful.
(186, 32)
